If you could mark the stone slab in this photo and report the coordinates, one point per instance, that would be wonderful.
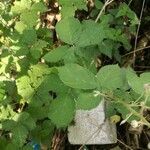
(91, 127)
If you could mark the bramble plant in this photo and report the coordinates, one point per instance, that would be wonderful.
(41, 86)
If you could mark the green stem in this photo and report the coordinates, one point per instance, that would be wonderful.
(128, 107)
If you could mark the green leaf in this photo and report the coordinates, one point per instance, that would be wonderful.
(98, 4)
(19, 135)
(43, 133)
(51, 83)
(56, 54)
(24, 88)
(106, 47)
(3, 143)
(28, 38)
(37, 74)
(25, 119)
(68, 9)
(87, 36)
(8, 124)
(38, 7)
(76, 76)
(62, 111)
(110, 109)
(80, 4)
(2, 91)
(87, 100)
(137, 83)
(27, 147)
(20, 26)
(69, 30)
(20, 6)
(36, 49)
(12, 146)
(70, 56)
(29, 18)
(124, 10)
(50, 89)
(110, 77)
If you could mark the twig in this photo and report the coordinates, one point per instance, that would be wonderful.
(137, 50)
(137, 32)
(124, 144)
(130, 2)
(103, 8)
(144, 67)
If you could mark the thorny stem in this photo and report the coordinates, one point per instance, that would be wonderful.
(103, 8)
(145, 122)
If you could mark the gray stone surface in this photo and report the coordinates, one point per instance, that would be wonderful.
(91, 127)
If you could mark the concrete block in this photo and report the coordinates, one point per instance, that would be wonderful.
(91, 127)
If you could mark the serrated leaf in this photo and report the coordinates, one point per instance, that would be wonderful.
(124, 10)
(28, 37)
(8, 124)
(76, 3)
(24, 88)
(137, 83)
(76, 76)
(62, 111)
(87, 36)
(98, 4)
(38, 7)
(2, 91)
(29, 18)
(106, 47)
(123, 95)
(52, 83)
(19, 135)
(36, 49)
(57, 54)
(68, 9)
(110, 77)
(37, 74)
(25, 119)
(43, 133)
(87, 101)
(69, 30)
(20, 6)
(20, 26)
(70, 56)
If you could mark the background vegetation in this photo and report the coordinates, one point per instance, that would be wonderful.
(57, 57)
